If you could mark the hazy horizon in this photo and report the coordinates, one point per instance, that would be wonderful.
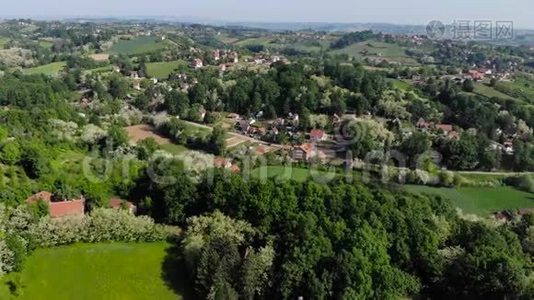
(412, 12)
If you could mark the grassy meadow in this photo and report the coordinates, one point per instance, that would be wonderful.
(98, 271)
(52, 69)
(374, 49)
(138, 45)
(481, 200)
(162, 70)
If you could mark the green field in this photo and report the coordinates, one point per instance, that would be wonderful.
(294, 173)
(481, 200)
(400, 84)
(98, 271)
(162, 70)
(3, 41)
(488, 91)
(265, 41)
(52, 69)
(522, 87)
(46, 44)
(387, 51)
(138, 45)
(175, 148)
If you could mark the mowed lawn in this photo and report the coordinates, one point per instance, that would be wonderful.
(294, 173)
(138, 45)
(162, 70)
(95, 271)
(481, 200)
(52, 69)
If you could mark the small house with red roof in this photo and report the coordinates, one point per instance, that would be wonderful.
(446, 128)
(224, 163)
(58, 209)
(304, 152)
(197, 63)
(317, 135)
(117, 203)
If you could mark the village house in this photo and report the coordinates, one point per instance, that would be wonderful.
(197, 63)
(475, 75)
(202, 112)
(508, 148)
(223, 163)
(136, 84)
(234, 57)
(304, 152)
(58, 209)
(243, 125)
(445, 128)
(317, 135)
(134, 75)
(216, 54)
(117, 203)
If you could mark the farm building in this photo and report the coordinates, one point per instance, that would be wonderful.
(58, 209)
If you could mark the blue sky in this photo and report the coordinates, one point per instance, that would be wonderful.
(391, 11)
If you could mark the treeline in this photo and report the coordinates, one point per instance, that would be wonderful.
(353, 38)
(333, 241)
(295, 88)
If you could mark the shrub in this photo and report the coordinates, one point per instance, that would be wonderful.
(523, 182)
(21, 230)
(103, 225)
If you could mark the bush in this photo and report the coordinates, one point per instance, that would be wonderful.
(523, 182)
(21, 230)
(103, 225)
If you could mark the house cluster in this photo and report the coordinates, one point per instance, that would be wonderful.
(266, 59)
(507, 147)
(225, 163)
(310, 150)
(224, 59)
(252, 128)
(478, 74)
(74, 207)
(446, 130)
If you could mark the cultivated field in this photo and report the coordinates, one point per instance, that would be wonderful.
(162, 70)
(98, 271)
(377, 50)
(138, 45)
(99, 57)
(141, 132)
(52, 69)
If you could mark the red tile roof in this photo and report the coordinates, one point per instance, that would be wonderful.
(307, 147)
(118, 203)
(316, 134)
(59, 209)
(444, 127)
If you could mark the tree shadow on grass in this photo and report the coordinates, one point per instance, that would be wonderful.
(174, 273)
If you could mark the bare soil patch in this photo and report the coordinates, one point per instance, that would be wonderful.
(141, 132)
